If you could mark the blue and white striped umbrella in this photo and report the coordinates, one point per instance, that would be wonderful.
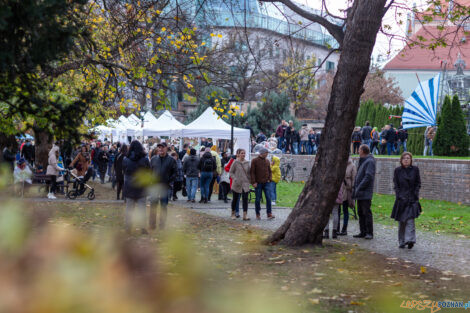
(421, 107)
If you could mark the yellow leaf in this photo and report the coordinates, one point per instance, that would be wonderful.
(356, 303)
(163, 29)
(219, 35)
(159, 71)
(314, 301)
(423, 269)
(212, 35)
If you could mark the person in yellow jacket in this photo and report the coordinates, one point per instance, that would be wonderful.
(276, 177)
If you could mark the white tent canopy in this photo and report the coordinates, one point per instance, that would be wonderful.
(165, 125)
(209, 125)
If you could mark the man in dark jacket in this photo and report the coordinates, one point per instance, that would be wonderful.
(164, 168)
(261, 176)
(280, 135)
(28, 152)
(9, 158)
(391, 137)
(363, 191)
(365, 134)
(191, 172)
(402, 138)
(103, 160)
(289, 134)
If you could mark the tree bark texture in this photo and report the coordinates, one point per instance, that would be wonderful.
(311, 213)
(42, 145)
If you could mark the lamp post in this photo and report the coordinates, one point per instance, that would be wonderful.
(232, 102)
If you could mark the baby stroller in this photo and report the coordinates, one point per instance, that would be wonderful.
(79, 185)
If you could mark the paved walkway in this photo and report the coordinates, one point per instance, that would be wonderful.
(438, 251)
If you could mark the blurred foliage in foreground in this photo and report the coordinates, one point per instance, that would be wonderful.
(52, 268)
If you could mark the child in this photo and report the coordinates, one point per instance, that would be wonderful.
(276, 177)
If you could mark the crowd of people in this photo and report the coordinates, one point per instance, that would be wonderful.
(288, 140)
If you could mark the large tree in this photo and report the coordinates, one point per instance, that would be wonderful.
(356, 40)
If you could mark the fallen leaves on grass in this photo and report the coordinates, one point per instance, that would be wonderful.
(423, 269)
(314, 301)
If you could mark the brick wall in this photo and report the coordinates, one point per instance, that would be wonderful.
(440, 179)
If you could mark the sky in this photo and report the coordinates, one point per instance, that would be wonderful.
(384, 46)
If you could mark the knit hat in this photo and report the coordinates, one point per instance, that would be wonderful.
(263, 150)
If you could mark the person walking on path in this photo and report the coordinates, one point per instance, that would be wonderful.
(217, 171)
(363, 191)
(240, 174)
(348, 202)
(179, 177)
(335, 213)
(28, 152)
(365, 134)
(164, 168)
(261, 176)
(103, 160)
(53, 170)
(118, 170)
(191, 172)
(276, 177)
(207, 165)
(289, 136)
(224, 184)
(407, 182)
(133, 191)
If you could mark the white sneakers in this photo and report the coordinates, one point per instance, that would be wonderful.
(51, 196)
(273, 202)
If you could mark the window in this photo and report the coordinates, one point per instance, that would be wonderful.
(330, 66)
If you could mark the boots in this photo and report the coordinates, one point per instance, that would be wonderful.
(343, 232)
(233, 215)
(245, 218)
(334, 235)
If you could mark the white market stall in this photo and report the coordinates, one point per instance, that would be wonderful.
(165, 125)
(208, 125)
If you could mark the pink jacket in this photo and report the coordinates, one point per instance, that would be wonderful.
(339, 198)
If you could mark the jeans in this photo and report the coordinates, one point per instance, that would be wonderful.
(211, 186)
(191, 186)
(260, 187)
(163, 201)
(139, 216)
(390, 148)
(95, 170)
(345, 215)
(206, 178)
(236, 202)
(400, 144)
(295, 147)
(366, 220)
(303, 146)
(406, 231)
(366, 142)
(374, 147)
(272, 187)
(356, 146)
(311, 148)
(427, 145)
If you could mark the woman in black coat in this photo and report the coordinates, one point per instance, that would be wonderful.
(135, 161)
(407, 183)
(118, 170)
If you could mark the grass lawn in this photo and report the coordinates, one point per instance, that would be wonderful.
(438, 216)
(222, 264)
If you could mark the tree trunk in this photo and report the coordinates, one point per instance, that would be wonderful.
(311, 213)
(42, 144)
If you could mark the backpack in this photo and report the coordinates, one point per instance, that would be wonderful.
(208, 165)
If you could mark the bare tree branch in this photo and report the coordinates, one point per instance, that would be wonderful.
(335, 30)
